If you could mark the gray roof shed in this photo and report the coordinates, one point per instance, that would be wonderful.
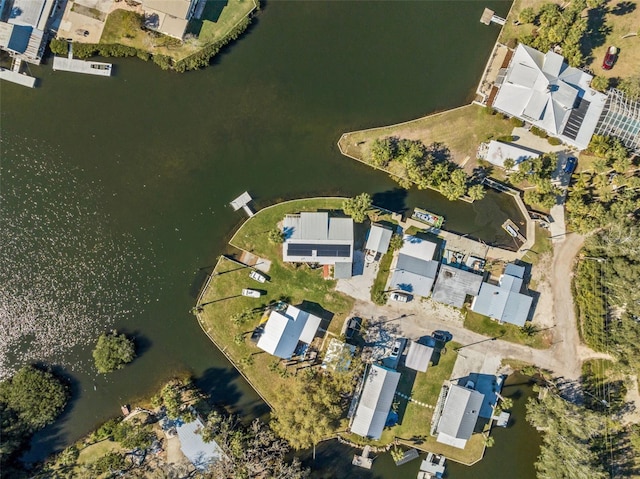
(418, 356)
(379, 238)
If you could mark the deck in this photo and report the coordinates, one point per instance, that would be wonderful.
(17, 78)
(81, 66)
(243, 201)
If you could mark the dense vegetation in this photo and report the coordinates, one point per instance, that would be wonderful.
(607, 193)
(113, 351)
(252, 451)
(357, 207)
(411, 162)
(537, 172)
(29, 400)
(555, 25)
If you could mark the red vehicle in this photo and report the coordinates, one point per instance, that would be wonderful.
(609, 58)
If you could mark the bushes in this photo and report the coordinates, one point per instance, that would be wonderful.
(538, 132)
(113, 351)
(506, 138)
(516, 122)
(554, 141)
(59, 46)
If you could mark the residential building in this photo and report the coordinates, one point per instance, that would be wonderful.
(375, 402)
(418, 356)
(415, 270)
(23, 28)
(170, 17)
(317, 238)
(504, 302)
(379, 238)
(455, 284)
(285, 329)
(496, 152)
(200, 453)
(459, 416)
(543, 90)
(621, 119)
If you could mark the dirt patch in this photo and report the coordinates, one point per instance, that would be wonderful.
(543, 316)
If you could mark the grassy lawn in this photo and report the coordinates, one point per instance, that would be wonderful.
(541, 246)
(297, 285)
(461, 130)
(383, 275)
(507, 332)
(91, 453)
(510, 32)
(120, 29)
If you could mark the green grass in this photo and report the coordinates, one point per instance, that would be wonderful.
(461, 130)
(380, 282)
(507, 332)
(213, 31)
(541, 246)
(298, 285)
(95, 451)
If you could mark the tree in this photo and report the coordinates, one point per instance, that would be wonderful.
(600, 83)
(396, 242)
(383, 150)
(113, 351)
(133, 435)
(357, 207)
(509, 163)
(631, 87)
(477, 192)
(527, 15)
(37, 397)
(276, 236)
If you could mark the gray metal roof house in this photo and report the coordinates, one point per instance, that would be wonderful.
(459, 416)
(201, 454)
(316, 238)
(454, 284)
(375, 402)
(283, 331)
(379, 238)
(504, 302)
(418, 356)
(415, 271)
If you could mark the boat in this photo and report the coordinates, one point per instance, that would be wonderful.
(511, 231)
(427, 217)
(432, 467)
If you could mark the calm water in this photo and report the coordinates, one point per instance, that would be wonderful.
(115, 191)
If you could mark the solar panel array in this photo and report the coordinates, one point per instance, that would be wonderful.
(322, 250)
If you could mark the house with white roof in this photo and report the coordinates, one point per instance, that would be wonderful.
(415, 270)
(496, 152)
(375, 402)
(379, 239)
(504, 302)
(543, 90)
(418, 356)
(200, 453)
(459, 416)
(284, 330)
(317, 238)
(23, 28)
(170, 17)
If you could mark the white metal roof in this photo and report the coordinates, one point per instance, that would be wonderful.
(498, 152)
(459, 415)
(283, 331)
(502, 304)
(418, 248)
(379, 238)
(176, 8)
(375, 402)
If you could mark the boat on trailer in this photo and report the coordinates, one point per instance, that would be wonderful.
(427, 217)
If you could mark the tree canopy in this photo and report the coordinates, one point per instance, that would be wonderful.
(357, 207)
(113, 351)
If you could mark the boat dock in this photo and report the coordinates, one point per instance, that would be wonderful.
(243, 201)
(432, 467)
(489, 16)
(364, 460)
(17, 78)
(81, 66)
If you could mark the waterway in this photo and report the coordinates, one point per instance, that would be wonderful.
(115, 190)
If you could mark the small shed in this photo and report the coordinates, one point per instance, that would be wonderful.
(379, 239)
(418, 356)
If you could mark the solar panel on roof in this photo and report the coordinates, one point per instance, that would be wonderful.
(322, 250)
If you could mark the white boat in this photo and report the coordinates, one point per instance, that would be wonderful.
(432, 467)
(251, 293)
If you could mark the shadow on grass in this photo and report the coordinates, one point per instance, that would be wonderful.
(405, 387)
(597, 30)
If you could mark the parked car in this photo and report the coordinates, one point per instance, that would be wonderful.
(400, 297)
(444, 336)
(398, 346)
(570, 165)
(257, 276)
(252, 293)
(370, 256)
(609, 58)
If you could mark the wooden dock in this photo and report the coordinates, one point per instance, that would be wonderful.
(489, 16)
(511, 228)
(81, 66)
(363, 460)
(243, 201)
(17, 78)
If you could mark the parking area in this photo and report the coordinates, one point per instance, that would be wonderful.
(364, 274)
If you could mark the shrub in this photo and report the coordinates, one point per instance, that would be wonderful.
(59, 46)
(538, 132)
(516, 122)
(506, 138)
(113, 351)
(527, 15)
(554, 141)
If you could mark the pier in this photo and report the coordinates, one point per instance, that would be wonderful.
(243, 201)
(513, 230)
(489, 16)
(81, 66)
(17, 78)
(364, 460)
